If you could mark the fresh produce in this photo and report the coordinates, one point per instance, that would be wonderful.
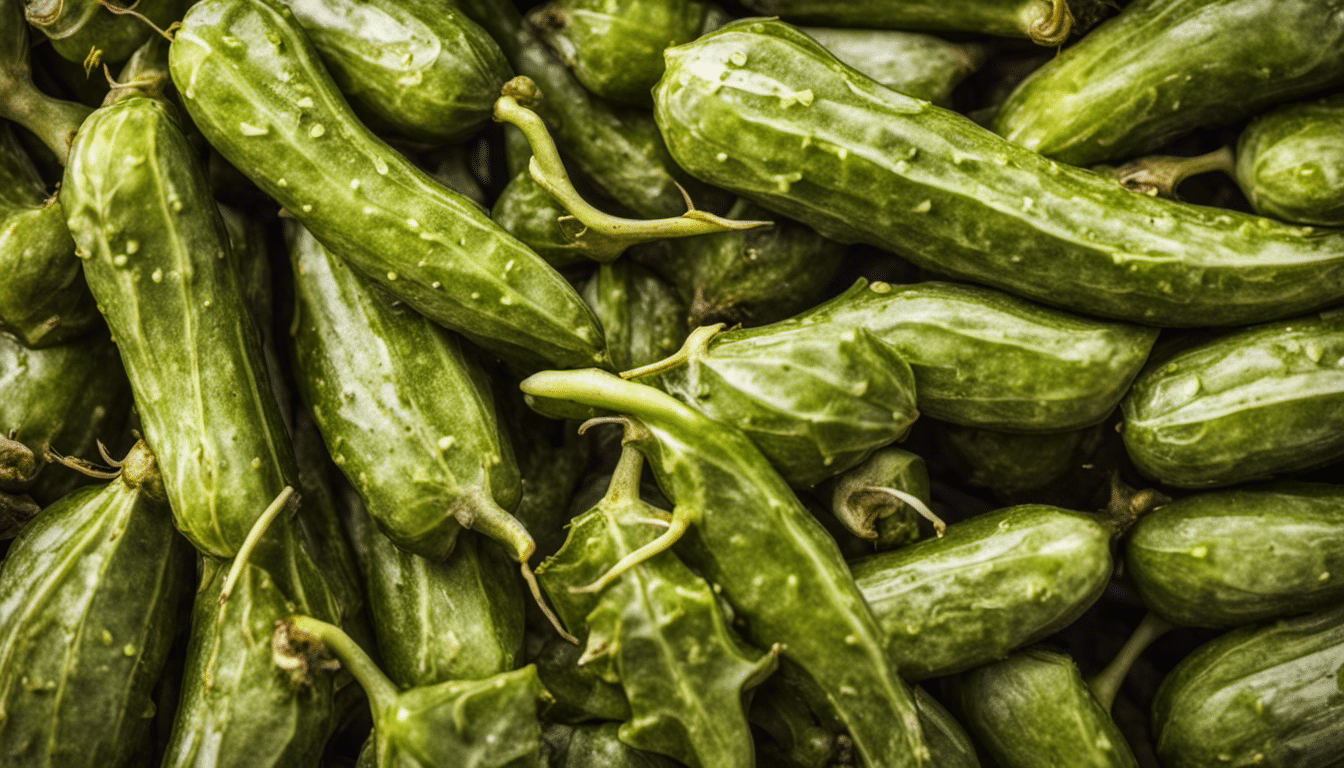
(81, 30)
(1047, 22)
(54, 121)
(1290, 162)
(883, 498)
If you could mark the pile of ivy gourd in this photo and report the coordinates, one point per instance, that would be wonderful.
(655, 383)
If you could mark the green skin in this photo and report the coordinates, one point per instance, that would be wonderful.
(1048, 22)
(585, 746)
(154, 245)
(815, 399)
(733, 506)
(918, 65)
(433, 248)
(1227, 558)
(581, 694)
(658, 631)
(53, 121)
(423, 69)
(620, 150)
(750, 277)
(527, 211)
(615, 47)
(67, 398)
(859, 501)
(948, 741)
(1244, 406)
(75, 27)
(460, 619)
(1290, 162)
(991, 584)
(1261, 695)
(235, 711)
(15, 512)
(43, 298)
(247, 247)
(487, 723)
(798, 132)
(987, 359)
(642, 317)
(1033, 710)
(1010, 463)
(1163, 68)
(370, 370)
(89, 597)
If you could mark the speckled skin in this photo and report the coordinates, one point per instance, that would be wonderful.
(422, 68)
(1013, 18)
(1245, 406)
(1290, 162)
(1238, 556)
(254, 86)
(991, 584)
(1163, 68)
(740, 507)
(405, 412)
(75, 27)
(1033, 710)
(642, 317)
(761, 109)
(1265, 695)
(154, 249)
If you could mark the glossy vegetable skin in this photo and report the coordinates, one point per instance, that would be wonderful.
(1225, 558)
(761, 109)
(1242, 407)
(1047, 22)
(89, 599)
(424, 69)
(1260, 695)
(54, 121)
(642, 317)
(77, 27)
(1130, 86)
(918, 65)
(991, 584)
(254, 86)
(143, 217)
(1290, 162)
(736, 507)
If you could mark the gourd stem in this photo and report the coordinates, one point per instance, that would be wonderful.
(489, 519)
(1054, 28)
(600, 389)
(1106, 683)
(612, 234)
(380, 690)
(681, 520)
(250, 543)
(1160, 175)
(915, 503)
(695, 347)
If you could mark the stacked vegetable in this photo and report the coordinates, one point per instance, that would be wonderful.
(778, 411)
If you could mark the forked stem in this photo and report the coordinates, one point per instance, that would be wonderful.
(914, 503)
(695, 347)
(607, 236)
(1105, 684)
(250, 543)
(676, 527)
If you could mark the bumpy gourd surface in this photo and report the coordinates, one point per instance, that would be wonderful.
(1290, 162)
(761, 109)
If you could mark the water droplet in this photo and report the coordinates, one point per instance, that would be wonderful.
(412, 223)
(421, 263)
(247, 129)
(1324, 577)
(305, 102)
(923, 207)
(506, 300)
(1200, 551)
(738, 58)
(306, 208)
(119, 260)
(132, 246)
(880, 287)
(175, 205)
(380, 165)
(901, 166)
(1027, 203)
(391, 275)
(281, 183)
(157, 276)
(317, 130)
(128, 649)
(256, 463)
(436, 285)
(721, 157)
(475, 295)
(354, 183)
(207, 303)
(805, 97)
(107, 637)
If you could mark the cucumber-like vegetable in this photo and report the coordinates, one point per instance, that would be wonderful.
(43, 298)
(659, 632)
(489, 723)
(992, 583)
(1013, 463)
(429, 72)
(731, 506)
(154, 244)
(16, 509)
(642, 317)
(89, 598)
(528, 212)
(1047, 22)
(66, 398)
(949, 744)
(1290, 162)
(871, 500)
(1128, 87)
(584, 746)
(816, 399)
(763, 110)
(1244, 406)
(581, 694)
(77, 28)
(1033, 710)
(54, 121)
(458, 619)
(918, 65)
(615, 47)
(986, 359)
(1260, 695)
(298, 140)
(749, 277)
(1238, 556)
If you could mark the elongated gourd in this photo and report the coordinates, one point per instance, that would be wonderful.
(1290, 162)
(1242, 407)
(154, 250)
(89, 598)
(1128, 87)
(1047, 22)
(76, 28)
(761, 109)
(254, 85)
